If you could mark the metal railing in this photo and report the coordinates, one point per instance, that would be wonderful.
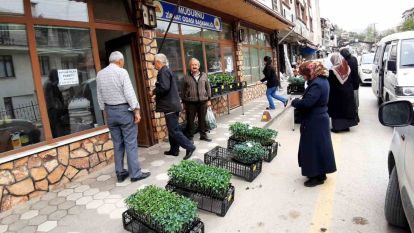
(28, 111)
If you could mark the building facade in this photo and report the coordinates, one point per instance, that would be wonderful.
(51, 128)
(408, 14)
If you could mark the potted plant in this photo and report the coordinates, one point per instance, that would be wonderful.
(248, 152)
(244, 132)
(238, 165)
(154, 209)
(204, 184)
(296, 85)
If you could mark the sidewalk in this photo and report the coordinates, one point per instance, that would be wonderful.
(95, 203)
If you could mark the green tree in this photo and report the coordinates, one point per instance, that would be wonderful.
(407, 25)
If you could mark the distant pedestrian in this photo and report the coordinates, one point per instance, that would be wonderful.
(354, 75)
(196, 95)
(272, 83)
(117, 97)
(341, 107)
(316, 155)
(167, 101)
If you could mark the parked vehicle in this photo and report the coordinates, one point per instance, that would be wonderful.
(365, 68)
(393, 68)
(399, 200)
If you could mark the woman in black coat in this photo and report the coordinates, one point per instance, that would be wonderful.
(316, 155)
(272, 83)
(341, 106)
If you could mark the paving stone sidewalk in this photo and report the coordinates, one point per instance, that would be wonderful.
(95, 203)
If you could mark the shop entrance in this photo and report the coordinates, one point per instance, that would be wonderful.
(126, 44)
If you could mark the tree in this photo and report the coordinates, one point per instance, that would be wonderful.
(407, 25)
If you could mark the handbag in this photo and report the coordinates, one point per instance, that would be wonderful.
(211, 119)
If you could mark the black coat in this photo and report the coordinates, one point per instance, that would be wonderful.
(341, 99)
(316, 155)
(167, 97)
(354, 75)
(270, 76)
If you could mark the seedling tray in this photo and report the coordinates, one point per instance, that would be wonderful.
(271, 149)
(206, 202)
(137, 223)
(295, 89)
(222, 157)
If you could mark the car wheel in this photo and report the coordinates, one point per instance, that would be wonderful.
(394, 212)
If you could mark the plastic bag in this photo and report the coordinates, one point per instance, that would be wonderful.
(210, 119)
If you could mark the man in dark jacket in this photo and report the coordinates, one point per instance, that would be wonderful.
(354, 75)
(167, 100)
(196, 95)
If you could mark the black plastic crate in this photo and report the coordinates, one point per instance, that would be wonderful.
(244, 84)
(216, 90)
(295, 89)
(220, 206)
(271, 149)
(136, 223)
(223, 157)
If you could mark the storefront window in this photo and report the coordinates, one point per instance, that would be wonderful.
(252, 37)
(118, 10)
(254, 63)
(261, 38)
(190, 31)
(228, 61)
(245, 35)
(20, 120)
(209, 34)
(61, 9)
(227, 32)
(163, 25)
(247, 72)
(262, 54)
(14, 7)
(70, 87)
(172, 50)
(194, 49)
(213, 58)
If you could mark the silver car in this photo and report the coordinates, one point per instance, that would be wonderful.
(399, 201)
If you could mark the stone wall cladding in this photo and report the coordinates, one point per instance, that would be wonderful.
(35, 175)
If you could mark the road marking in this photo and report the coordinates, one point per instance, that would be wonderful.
(324, 204)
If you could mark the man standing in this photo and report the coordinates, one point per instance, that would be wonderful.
(196, 94)
(167, 100)
(117, 97)
(354, 75)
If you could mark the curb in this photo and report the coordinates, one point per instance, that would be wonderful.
(277, 116)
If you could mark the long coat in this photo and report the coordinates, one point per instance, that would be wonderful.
(341, 99)
(167, 98)
(316, 155)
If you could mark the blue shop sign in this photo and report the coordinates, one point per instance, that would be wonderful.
(187, 16)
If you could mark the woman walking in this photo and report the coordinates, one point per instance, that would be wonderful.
(341, 106)
(272, 83)
(316, 155)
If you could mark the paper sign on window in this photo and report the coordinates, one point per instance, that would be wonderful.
(68, 77)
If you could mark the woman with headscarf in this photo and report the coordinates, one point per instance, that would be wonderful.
(272, 83)
(316, 155)
(341, 106)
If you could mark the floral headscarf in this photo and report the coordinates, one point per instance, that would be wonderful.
(340, 67)
(313, 69)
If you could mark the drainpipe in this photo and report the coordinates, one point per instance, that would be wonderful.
(169, 25)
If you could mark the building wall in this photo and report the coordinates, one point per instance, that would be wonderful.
(35, 175)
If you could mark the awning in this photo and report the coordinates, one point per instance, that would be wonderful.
(248, 10)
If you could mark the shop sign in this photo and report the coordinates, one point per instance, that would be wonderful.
(267, 3)
(68, 77)
(187, 16)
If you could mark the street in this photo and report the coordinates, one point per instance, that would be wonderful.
(351, 200)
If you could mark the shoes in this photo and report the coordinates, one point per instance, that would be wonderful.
(169, 152)
(315, 181)
(338, 131)
(286, 103)
(143, 176)
(121, 177)
(268, 108)
(206, 138)
(189, 153)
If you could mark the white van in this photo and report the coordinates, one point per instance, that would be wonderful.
(393, 68)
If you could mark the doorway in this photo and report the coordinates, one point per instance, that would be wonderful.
(109, 41)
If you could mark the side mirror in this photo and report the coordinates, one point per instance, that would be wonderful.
(396, 113)
(392, 66)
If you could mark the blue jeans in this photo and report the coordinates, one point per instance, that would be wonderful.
(270, 94)
(124, 133)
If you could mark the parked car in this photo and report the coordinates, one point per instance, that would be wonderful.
(399, 200)
(393, 68)
(365, 68)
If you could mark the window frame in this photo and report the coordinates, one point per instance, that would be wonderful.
(4, 60)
